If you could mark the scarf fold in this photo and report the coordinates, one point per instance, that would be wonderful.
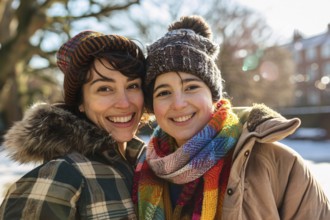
(202, 165)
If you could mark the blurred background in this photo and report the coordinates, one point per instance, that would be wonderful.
(272, 52)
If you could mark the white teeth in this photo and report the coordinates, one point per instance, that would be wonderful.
(121, 119)
(182, 118)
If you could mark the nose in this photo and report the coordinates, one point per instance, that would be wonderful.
(122, 100)
(179, 102)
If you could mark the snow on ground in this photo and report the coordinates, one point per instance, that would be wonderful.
(316, 154)
(10, 172)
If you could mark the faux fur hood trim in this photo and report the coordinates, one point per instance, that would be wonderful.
(259, 114)
(256, 115)
(47, 131)
(265, 124)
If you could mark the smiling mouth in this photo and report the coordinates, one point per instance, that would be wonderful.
(183, 118)
(121, 119)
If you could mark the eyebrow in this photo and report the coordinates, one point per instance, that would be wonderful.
(159, 87)
(102, 80)
(110, 80)
(183, 81)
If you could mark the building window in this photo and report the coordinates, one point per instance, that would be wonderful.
(310, 54)
(325, 51)
(312, 72)
(326, 69)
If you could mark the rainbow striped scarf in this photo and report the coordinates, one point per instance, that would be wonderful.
(202, 166)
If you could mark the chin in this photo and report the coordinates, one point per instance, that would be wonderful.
(122, 139)
(182, 140)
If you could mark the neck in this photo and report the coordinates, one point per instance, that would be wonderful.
(122, 148)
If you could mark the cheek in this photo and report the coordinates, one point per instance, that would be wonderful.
(138, 101)
(207, 105)
(159, 109)
(208, 113)
(94, 107)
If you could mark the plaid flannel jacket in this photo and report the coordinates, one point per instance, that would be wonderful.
(75, 186)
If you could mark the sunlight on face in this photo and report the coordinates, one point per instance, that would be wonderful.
(114, 103)
(182, 104)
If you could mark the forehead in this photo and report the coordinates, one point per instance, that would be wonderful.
(176, 76)
(102, 64)
(101, 68)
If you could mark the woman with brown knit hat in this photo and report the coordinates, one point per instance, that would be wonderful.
(208, 160)
(87, 144)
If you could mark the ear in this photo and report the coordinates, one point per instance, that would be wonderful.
(81, 108)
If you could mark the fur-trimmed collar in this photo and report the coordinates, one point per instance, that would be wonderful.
(264, 122)
(49, 131)
(256, 114)
(260, 113)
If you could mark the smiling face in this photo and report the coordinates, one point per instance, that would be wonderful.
(182, 104)
(113, 102)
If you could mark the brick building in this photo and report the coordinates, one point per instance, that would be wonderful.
(312, 77)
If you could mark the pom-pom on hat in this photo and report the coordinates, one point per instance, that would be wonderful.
(187, 47)
(74, 57)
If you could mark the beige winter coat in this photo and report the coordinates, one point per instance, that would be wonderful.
(268, 180)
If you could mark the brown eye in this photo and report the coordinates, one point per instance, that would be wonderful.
(192, 87)
(163, 93)
(134, 86)
(104, 89)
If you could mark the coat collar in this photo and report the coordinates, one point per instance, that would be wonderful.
(264, 125)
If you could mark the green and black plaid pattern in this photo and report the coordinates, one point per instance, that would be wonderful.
(75, 187)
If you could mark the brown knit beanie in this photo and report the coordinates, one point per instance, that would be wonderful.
(74, 57)
(187, 47)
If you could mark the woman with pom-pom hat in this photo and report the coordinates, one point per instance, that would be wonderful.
(207, 160)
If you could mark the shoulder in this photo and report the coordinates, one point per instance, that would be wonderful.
(51, 189)
(276, 153)
(278, 164)
(58, 171)
(276, 149)
(55, 183)
(275, 163)
(276, 173)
